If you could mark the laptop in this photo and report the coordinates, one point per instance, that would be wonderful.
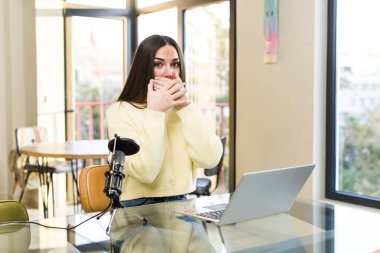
(258, 194)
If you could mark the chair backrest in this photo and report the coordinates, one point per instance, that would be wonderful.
(217, 169)
(14, 238)
(12, 211)
(30, 135)
(91, 185)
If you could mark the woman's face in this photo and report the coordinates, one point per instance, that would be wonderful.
(166, 63)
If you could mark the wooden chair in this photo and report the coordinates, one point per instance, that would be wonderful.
(203, 184)
(29, 136)
(91, 185)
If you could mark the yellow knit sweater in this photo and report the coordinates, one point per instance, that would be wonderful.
(172, 145)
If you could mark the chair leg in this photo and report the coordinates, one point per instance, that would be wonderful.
(43, 177)
(74, 171)
(25, 182)
(52, 192)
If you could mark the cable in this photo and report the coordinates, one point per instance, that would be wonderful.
(46, 226)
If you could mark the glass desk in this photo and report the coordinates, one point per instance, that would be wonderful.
(309, 227)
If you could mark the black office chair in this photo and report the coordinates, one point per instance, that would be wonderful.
(29, 136)
(203, 184)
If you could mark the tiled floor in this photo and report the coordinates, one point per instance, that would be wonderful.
(37, 214)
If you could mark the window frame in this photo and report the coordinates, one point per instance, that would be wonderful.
(122, 14)
(331, 124)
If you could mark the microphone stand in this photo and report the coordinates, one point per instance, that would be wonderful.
(115, 177)
(114, 206)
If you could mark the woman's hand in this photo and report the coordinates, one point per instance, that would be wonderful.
(164, 93)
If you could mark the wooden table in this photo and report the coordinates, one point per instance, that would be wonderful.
(69, 150)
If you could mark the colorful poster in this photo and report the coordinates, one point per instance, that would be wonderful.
(271, 31)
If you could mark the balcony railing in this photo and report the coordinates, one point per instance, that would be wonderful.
(85, 124)
(91, 124)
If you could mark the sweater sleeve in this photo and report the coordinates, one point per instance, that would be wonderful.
(146, 127)
(204, 147)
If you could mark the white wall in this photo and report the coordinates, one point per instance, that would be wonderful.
(18, 93)
(280, 114)
(50, 84)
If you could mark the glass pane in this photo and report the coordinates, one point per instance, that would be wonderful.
(358, 97)
(148, 24)
(147, 3)
(50, 84)
(97, 71)
(207, 65)
(117, 4)
(49, 4)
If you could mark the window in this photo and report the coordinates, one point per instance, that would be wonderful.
(50, 84)
(148, 25)
(147, 3)
(206, 40)
(207, 58)
(203, 32)
(353, 108)
(121, 4)
(95, 70)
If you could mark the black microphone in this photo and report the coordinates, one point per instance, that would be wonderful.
(120, 147)
(126, 145)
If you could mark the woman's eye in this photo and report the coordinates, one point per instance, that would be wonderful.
(157, 64)
(176, 64)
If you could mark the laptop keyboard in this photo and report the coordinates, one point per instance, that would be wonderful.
(215, 215)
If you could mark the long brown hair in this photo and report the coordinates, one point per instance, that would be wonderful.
(136, 87)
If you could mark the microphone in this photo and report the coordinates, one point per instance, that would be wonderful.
(120, 147)
(125, 145)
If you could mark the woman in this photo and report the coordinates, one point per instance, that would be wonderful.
(173, 135)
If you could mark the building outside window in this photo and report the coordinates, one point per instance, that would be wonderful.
(353, 130)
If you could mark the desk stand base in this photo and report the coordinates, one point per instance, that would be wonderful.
(114, 206)
(113, 212)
